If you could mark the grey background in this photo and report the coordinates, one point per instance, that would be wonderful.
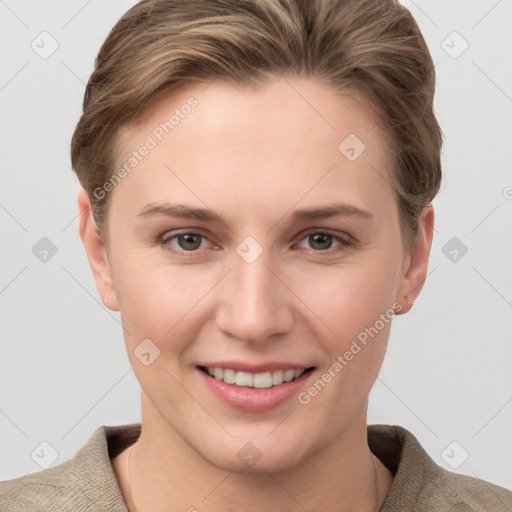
(63, 366)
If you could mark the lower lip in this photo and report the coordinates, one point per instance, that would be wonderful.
(254, 399)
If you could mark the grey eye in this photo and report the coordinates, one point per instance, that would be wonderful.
(320, 241)
(189, 241)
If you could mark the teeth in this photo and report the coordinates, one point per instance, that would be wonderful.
(277, 377)
(229, 376)
(262, 380)
(243, 379)
(254, 380)
(288, 375)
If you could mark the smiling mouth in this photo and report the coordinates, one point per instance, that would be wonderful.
(254, 380)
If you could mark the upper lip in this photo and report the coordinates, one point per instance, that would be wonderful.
(255, 368)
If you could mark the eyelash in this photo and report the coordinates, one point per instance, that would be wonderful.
(345, 241)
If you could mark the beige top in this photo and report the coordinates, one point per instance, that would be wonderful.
(87, 483)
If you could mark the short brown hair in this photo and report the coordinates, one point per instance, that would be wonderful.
(372, 48)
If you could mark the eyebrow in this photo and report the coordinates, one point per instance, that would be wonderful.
(204, 214)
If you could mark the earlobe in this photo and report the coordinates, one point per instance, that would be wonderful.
(96, 252)
(416, 262)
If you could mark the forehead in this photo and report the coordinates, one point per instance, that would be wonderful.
(276, 141)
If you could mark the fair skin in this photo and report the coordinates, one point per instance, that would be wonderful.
(254, 157)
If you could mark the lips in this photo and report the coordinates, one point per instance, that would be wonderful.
(254, 388)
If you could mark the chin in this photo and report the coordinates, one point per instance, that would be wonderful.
(258, 457)
(263, 466)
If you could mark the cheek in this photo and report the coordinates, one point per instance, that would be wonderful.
(160, 301)
(356, 306)
(166, 303)
(349, 299)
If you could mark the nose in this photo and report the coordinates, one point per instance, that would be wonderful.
(255, 305)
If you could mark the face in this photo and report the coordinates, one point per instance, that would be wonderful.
(256, 239)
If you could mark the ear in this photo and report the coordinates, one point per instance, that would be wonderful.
(416, 262)
(96, 253)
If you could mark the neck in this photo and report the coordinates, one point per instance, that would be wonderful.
(165, 473)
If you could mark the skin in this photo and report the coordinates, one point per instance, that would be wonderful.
(254, 156)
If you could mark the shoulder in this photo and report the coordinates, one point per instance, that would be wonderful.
(85, 483)
(423, 486)
(38, 491)
(460, 493)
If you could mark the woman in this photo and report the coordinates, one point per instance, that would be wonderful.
(257, 183)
